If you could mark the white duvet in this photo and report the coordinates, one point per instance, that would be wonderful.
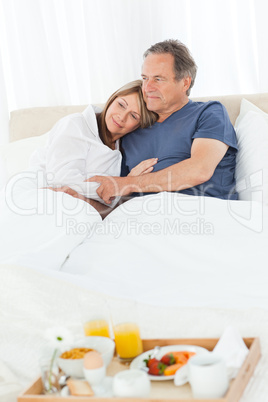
(33, 223)
(178, 250)
(162, 249)
(193, 265)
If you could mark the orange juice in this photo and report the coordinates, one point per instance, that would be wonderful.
(97, 328)
(127, 340)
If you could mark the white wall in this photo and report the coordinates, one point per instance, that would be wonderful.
(79, 51)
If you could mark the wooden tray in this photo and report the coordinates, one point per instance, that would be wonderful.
(163, 391)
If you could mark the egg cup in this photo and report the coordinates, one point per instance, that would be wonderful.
(95, 378)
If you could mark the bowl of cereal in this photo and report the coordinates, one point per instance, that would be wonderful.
(71, 361)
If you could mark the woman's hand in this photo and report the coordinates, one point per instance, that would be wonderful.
(143, 167)
(68, 190)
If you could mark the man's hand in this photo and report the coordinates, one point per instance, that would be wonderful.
(110, 187)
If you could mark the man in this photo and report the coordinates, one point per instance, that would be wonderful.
(195, 142)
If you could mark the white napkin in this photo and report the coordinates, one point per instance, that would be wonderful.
(232, 349)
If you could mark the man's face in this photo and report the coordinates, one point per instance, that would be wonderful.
(162, 93)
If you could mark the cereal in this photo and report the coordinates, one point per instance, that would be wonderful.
(75, 353)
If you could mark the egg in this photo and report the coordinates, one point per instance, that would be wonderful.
(93, 360)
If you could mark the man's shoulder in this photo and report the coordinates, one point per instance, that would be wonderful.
(210, 108)
(209, 104)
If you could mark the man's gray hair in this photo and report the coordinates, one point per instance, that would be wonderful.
(184, 64)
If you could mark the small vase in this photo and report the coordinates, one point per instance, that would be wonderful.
(50, 374)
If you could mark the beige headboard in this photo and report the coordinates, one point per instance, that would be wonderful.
(36, 121)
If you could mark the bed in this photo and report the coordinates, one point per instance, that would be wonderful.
(192, 265)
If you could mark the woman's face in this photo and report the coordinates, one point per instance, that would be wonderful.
(123, 115)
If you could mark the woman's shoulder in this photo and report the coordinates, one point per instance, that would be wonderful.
(89, 115)
(84, 123)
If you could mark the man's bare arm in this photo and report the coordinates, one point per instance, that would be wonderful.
(205, 156)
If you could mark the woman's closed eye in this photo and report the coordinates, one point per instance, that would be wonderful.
(135, 116)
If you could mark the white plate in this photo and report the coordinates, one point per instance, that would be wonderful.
(138, 362)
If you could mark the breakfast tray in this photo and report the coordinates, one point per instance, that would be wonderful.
(162, 391)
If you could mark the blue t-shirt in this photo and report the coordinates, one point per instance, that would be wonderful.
(171, 142)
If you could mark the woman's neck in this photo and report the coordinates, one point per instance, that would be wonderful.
(112, 145)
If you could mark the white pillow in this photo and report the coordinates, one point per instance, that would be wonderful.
(252, 157)
(14, 157)
(246, 107)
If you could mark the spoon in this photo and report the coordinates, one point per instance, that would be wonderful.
(63, 380)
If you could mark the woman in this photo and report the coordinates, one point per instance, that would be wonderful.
(82, 145)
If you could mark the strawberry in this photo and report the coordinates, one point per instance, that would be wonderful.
(168, 359)
(149, 361)
(152, 361)
(157, 368)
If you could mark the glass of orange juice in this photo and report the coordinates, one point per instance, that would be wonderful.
(127, 340)
(97, 327)
(126, 332)
(96, 319)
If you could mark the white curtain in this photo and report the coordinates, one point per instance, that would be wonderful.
(56, 52)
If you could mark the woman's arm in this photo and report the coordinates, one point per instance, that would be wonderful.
(102, 209)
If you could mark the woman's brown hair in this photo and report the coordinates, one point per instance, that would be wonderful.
(148, 118)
